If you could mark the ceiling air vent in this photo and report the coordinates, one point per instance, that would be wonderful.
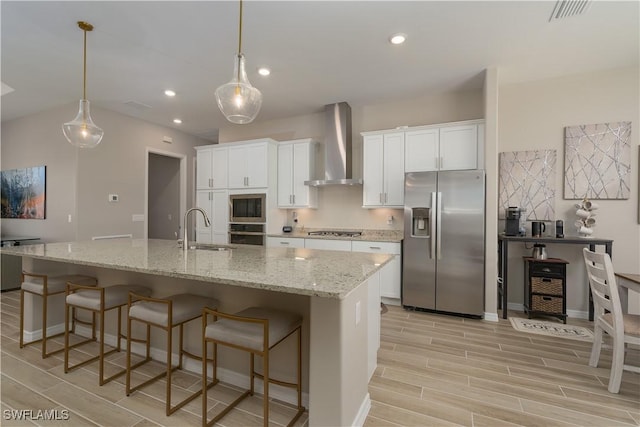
(137, 105)
(567, 8)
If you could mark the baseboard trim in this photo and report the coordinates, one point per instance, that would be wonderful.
(363, 411)
(35, 335)
(492, 317)
(577, 314)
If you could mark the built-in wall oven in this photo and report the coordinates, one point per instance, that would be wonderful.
(247, 208)
(247, 219)
(247, 234)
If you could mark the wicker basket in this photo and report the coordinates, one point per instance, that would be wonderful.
(543, 285)
(546, 304)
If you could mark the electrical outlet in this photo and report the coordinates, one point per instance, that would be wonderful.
(69, 218)
(358, 313)
(113, 197)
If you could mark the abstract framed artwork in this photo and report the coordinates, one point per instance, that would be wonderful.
(527, 180)
(22, 193)
(597, 161)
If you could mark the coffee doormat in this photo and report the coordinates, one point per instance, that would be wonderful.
(551, 329)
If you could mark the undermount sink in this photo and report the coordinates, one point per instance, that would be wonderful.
(207, 247)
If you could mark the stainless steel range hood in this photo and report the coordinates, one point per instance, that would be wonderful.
(337, 147)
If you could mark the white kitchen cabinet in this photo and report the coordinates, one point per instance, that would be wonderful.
(216, 204)
(211, 168)
(383, 170)
(296, 164)
(421, 150)
(327, 244)
(390, 276)
(285, 242)
(248, 166)
(459, 147)
(442, 148)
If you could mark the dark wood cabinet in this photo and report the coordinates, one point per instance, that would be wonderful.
(545, 287)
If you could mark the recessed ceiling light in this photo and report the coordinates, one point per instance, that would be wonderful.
(177, 121)
(264, 71)
(169, 93)
(398, 38)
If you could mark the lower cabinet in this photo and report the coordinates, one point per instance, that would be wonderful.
(216, 204)
(285, 242)
(389, 276)
(326, 244)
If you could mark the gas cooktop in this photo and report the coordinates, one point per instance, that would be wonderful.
(336, 233)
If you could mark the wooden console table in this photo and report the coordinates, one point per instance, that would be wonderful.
(503, 258)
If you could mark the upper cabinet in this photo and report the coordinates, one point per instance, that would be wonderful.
(211, 167)
(442, 147)
(248, 165)
(296, 164)
(383, 170)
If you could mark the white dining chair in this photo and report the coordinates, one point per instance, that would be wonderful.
(608, 317)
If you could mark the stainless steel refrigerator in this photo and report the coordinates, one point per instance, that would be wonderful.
(443, 246)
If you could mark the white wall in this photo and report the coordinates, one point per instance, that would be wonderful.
(533, 116)
(79, 180)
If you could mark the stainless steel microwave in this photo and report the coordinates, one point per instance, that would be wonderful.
(247, 208)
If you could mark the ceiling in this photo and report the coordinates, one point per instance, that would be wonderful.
(319, 52)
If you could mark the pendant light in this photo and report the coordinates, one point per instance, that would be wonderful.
(238, 100)
(81, 131)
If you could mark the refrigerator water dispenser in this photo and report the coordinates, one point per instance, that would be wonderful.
(420, 219)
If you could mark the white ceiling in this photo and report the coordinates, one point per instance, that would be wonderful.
(319, 52)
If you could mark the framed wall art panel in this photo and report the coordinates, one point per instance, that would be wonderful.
(597, 161)
(23, 193)
(527, 180)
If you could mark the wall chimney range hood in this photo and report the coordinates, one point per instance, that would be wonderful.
(337, 147)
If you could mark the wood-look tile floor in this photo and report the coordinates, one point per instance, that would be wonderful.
(433, 370)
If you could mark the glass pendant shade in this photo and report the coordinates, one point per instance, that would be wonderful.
(238, 100)
(81, 131)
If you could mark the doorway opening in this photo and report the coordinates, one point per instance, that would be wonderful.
(166, 194)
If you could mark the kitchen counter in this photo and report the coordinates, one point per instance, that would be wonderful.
(393, 236)
(328, 274)
(337, 294)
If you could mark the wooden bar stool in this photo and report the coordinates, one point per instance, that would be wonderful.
(97, 301)
(255, 330)
(164, 313)
(45, 286)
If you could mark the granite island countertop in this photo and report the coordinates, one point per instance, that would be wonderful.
(328, 274)
(393, 236)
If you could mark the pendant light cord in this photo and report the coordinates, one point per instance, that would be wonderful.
(240, 31)
(84, 69)
(240, 38)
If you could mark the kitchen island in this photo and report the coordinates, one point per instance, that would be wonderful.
(337, 294)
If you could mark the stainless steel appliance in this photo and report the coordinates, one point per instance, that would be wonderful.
(247, 234)
(512, 221)
(443, 246)
(560, 229)
(247, 208)
(538, 228)
(539, 251)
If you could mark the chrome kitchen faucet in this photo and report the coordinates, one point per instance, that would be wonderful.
(207, 223)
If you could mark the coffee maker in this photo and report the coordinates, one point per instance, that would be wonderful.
(512, 223)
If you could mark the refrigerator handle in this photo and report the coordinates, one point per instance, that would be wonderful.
(432, 226)
(439, 225)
